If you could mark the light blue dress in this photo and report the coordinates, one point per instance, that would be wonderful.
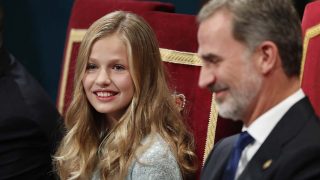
(157, 162)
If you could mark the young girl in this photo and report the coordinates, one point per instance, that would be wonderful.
(122, 122)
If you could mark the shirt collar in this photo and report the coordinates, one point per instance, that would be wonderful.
(263, 125)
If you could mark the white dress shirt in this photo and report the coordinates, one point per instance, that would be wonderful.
(262, 127)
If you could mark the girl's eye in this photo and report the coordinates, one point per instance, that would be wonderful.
(91, 66)
(118, 67)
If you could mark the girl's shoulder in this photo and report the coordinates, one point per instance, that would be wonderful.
(156, 149)
(156, 161)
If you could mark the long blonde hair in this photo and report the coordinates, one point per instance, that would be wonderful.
(91, 143)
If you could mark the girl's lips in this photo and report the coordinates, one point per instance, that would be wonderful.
(105, 95)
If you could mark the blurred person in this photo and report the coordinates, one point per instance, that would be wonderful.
(29, 122)
(251, 54)
(122, 122)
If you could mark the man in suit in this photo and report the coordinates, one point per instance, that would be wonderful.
(29, 123)
(251, 54)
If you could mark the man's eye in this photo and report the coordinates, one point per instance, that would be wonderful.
(91, 66)
(210, 59)
(118, 67)
(214, 60)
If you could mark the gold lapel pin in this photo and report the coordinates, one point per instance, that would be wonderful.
(267, 164)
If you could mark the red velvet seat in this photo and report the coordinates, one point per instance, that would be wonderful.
(176, 34)
(310, 69)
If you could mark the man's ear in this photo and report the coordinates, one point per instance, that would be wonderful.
(267, 53)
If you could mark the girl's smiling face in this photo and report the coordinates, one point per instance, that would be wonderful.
(107, 81)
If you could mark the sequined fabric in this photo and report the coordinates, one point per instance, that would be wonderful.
(157, 162)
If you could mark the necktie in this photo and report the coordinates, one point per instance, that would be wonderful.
(231, 168)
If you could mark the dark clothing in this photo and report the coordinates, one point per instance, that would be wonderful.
(29, 124)
(292, 150)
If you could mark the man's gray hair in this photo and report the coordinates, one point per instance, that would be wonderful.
(255, 21)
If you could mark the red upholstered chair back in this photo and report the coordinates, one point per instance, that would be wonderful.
(176, 34)
(310, 69)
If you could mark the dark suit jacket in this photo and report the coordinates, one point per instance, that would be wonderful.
(293, 148)
(29, 124)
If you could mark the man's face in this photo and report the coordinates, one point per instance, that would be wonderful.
(228, 68)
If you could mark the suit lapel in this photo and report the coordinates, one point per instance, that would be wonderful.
(216, 161)
(269, 152)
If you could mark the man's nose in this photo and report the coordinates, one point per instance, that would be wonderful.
(206, 77)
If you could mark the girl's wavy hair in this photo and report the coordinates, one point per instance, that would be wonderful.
(93, 143)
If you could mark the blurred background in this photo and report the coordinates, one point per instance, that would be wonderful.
(35, 32)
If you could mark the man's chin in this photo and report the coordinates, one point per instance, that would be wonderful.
(228, 113)
(229, 117)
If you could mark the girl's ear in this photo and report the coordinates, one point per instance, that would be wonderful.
(267, 53)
